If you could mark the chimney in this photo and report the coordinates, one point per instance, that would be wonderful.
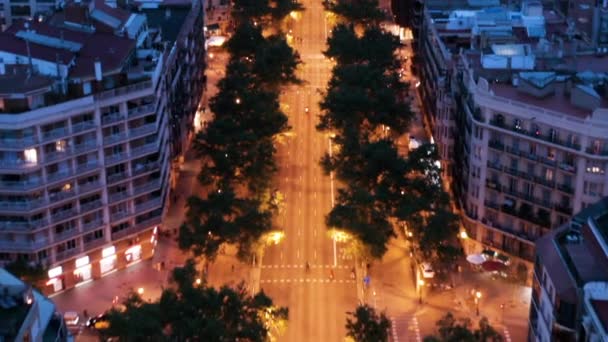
(2, 67)
(98, 73)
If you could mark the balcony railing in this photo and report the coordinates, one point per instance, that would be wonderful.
(115, 138)
(142, 130)
(66, 253)
(118, 196)
(147, 187)
(18, 143)
(66, 234)
(82, 168)
(124, 90)
(141, 110)
(63, 214)
(117, 177)
(567, 167)
(54, 134)
(89, 186)
(139, 208)
(111, 118)
(52, 156)
(116, 158)
(16, 164)
(22, 206)
(88, 245)
(137, 228)
(595, 151)
(19, 246)
(90, 206)
(119, 215)
(83, 126)
(143, 168)
(497, 145)
(92, 225)
(567, 188)
(144, 149)
(20, 185)
(85, 147)
(56, 176)
(563, 209)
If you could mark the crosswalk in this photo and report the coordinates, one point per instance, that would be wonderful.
(304, 265)
(404, 328)
(306, 281)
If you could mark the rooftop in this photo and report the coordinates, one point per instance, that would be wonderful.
(13, 309)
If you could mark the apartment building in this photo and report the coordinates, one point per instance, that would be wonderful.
(84, 157)
(26, 315)
(519, 111)
(570, 287)
(11, 10)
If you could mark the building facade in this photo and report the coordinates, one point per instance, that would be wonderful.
(27, 315)
(570, 286)
(84, 156)
(519, 114)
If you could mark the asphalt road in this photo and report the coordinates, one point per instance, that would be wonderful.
(317, 304)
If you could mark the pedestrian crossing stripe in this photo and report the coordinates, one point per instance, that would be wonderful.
(412, 325)
(507, 334)
(306, 280)
(304, 265)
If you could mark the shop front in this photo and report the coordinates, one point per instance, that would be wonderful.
(107, 263)
(82, 271)
(56, 279)
(133, 254)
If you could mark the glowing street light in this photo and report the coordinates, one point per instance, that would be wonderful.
(420, 285)
(237, 100)
(198, 281)
(275, 237)
(463, 235)
(477, 298)
(140, 291)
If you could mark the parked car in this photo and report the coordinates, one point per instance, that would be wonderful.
(71, 318)
(427, 270)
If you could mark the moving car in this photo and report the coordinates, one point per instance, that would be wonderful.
(71, 318)
(98, 322)
(427, 270)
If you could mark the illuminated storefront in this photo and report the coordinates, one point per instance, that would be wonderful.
(108, 260)
(83, 269)
(56, 278)
(133, 254)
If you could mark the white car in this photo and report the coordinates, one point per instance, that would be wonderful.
(427, 270)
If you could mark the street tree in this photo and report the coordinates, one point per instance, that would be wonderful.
(450, 329)
(279, 9)
(275, 63)
(244, 11)
(366, 325)
(245, 40)
(191, 310)
(360, 12)
(223, 218)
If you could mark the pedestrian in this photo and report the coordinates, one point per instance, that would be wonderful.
(307, 266)
(85, 314)
(233, 268)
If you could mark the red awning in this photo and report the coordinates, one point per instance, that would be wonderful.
(492, 265)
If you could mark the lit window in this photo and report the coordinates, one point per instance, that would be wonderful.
(60, 145)
(31, 156)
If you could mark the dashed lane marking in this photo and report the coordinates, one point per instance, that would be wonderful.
(306, 280)
(303, 265)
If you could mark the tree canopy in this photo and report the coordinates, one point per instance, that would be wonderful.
(194, 311)
(450, 329)
(366, 325)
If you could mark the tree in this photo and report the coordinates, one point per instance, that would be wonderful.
(451, 329)
(244, 11)
(193, 311)
(366, 325)
(282, 8)
(275, 62)
(360, 12)
(33, 274)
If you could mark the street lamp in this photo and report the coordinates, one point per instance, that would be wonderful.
(140, 291)
(420, 285)
(477, 298)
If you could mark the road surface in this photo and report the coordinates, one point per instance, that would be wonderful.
(317, 304)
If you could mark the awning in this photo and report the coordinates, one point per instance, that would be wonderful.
(476, 259)
(493, 266)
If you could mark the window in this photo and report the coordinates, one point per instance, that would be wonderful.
(71, 244)
(594, 166)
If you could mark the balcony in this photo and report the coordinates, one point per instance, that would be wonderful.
(88, 187)
(497, 145)
(567, 188)
(144, 168)
(153, 203)
(54, 134)
(85, 167)
(21, 246)
(595, 151)
(53, 156)
(17, 164)
(66, 254)
(61, 195)
(117, 177)
(20, 185)
(117, 216)
(116, 158)
(146, 187)
(142, 130)
(491, 204)
(66, 234)
(114, 138)
(90, 206)
(92, 225)
(567, 167)
(83, 126)
(17, 226)
(57, 176)
(85, 147)
(141, 111)
(124, 90)
(17, 143)
(118, 196)
(63, 214)
(144, 149)
(494, 185)
(21, 206)
(112, 118)
(563, 209)
(92, 244)
(495, 165)
(543, 181)
(149, 223)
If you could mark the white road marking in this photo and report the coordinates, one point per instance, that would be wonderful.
(315, 254)
(299, 211)
(299, 232)
(298, 254)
